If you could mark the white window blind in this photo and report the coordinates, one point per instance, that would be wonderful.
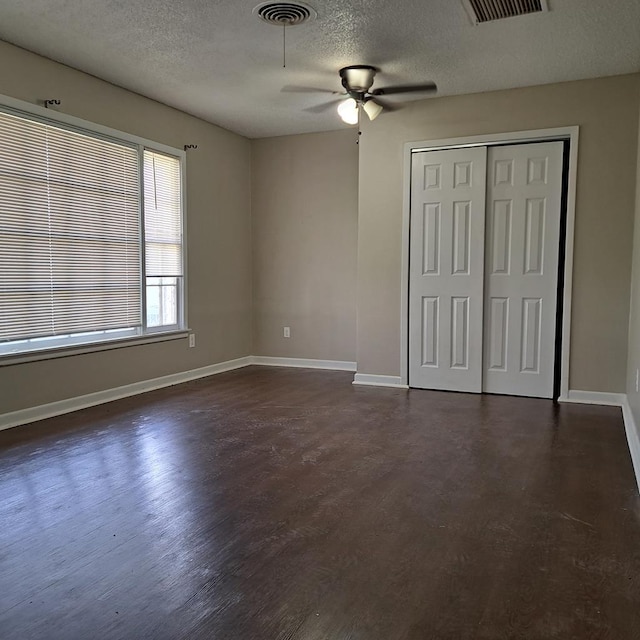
(162, 217)
(163, 238)
(70, 237)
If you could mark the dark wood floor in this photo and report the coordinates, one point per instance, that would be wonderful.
(282, 504)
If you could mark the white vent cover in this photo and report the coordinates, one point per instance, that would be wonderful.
(489, 10)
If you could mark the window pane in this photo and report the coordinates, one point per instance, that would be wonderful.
(162, 301)
(153, 305)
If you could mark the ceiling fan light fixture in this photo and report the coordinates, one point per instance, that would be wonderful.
(372, 109)
(348, 111)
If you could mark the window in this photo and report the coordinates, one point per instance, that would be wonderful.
(90, 236)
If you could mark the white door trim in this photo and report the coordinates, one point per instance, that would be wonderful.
(538, 135)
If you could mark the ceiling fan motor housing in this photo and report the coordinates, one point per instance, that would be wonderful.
(358, 78)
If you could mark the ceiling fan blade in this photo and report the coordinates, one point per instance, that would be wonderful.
(385, 104)
(292, 88)
(406, 88)
(325, 106)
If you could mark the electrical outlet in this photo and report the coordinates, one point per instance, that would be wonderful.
(192, 340)
(287, 332)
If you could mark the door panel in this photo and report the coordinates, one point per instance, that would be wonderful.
(523, 235)
(446, 269)
(497, 334)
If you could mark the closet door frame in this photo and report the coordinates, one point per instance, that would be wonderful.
(569, 134)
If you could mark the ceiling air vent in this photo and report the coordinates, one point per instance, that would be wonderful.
(489, 10)
(285, 13)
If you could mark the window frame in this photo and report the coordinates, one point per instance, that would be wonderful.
(130, 337)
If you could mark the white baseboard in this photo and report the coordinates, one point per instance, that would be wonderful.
(633, 438)
(371, 380)
(335, 365)
(594, 397)
(16, 418)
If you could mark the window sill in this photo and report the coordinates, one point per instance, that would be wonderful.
(107, 345)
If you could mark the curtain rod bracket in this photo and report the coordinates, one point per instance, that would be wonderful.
(190, 146)
(48, 103)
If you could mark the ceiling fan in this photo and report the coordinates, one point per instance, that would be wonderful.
(357, 81)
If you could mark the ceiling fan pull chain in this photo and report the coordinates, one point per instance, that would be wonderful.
(284, 44)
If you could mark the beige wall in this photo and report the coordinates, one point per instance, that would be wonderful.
(218, 236)
(633, 362)
(607, 112)
(305, 209)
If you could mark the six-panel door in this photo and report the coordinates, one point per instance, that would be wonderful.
(446, 269)
(524, 188)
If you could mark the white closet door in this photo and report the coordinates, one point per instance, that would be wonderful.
(523, 236)
(446, 269)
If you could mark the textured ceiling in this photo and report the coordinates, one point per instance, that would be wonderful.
(218, 61)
